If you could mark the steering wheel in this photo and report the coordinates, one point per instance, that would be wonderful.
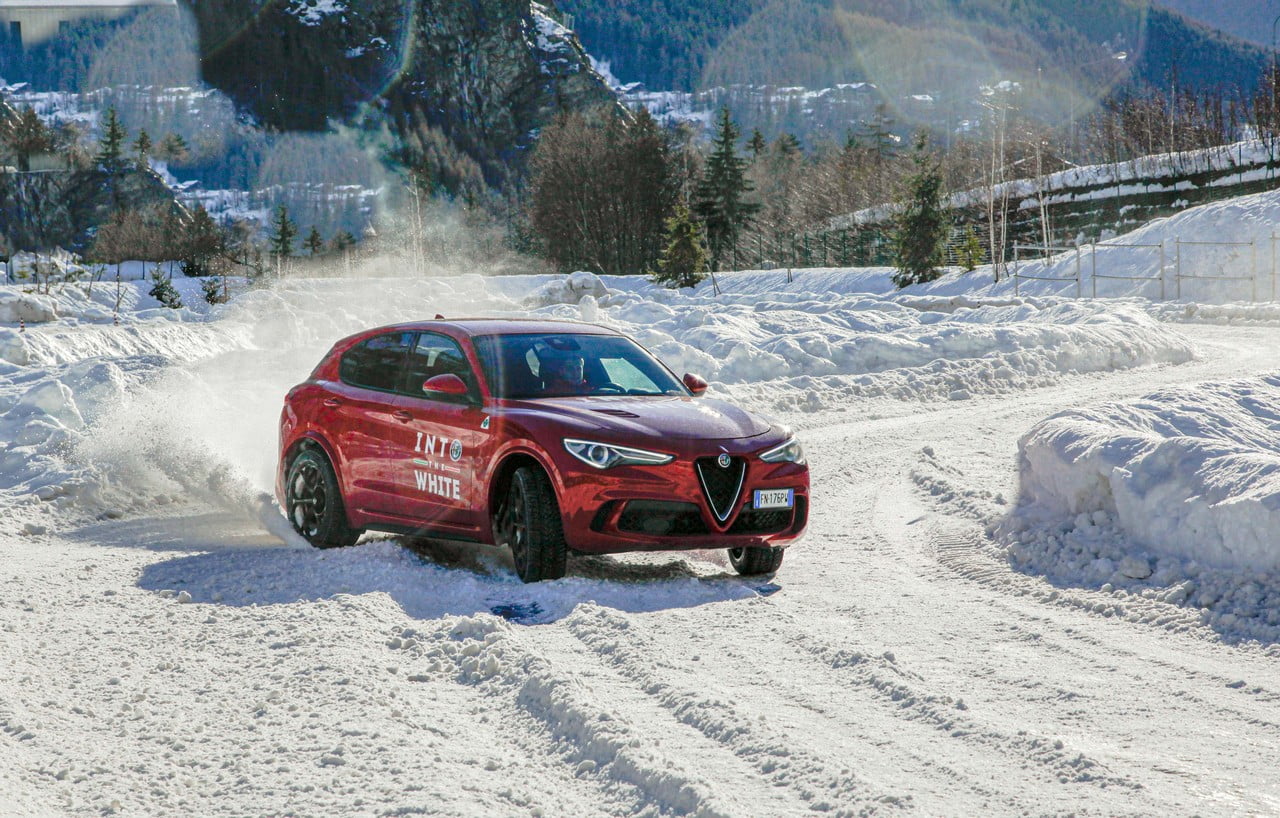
(609, 388)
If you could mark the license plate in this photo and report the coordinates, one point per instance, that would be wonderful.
(774, 498)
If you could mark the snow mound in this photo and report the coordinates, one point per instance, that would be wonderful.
(1193, 473)
(19, 306)
(1175, 497)
(175, 404)
(568, 290)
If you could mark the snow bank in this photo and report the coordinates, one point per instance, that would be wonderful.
(1230, 224)
(1174, 497)
(108, 419)
(1193, 473)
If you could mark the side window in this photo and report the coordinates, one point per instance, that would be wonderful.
(377, 362)
(434, 355)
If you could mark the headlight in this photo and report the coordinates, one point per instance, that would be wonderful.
(789, 452)
(606, 455)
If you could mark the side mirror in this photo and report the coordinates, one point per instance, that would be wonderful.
(695, 384)
(445, 385)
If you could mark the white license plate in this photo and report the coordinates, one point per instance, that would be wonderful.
(774, 498)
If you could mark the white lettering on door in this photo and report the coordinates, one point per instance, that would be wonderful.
(447, 487)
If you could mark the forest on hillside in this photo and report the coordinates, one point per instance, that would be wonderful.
(916, 46)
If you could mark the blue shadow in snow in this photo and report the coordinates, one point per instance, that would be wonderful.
(428, 579)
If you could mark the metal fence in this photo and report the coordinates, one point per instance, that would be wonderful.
(1095, 275)
(1181, 274)
(1046, 253)
(1185, 268)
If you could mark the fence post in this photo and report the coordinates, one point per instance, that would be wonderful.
(1253, 272)
(1079, 283)
(1017, 280)
(1093, 277)
(1177, 269)
(1162, 270)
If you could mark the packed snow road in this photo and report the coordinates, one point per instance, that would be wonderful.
(176, 658)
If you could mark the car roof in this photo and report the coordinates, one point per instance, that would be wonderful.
(502, 326)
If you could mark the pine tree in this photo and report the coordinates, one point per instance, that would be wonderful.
(684, 260)
(342, 240)
(314, 242)
(756, 143)
(719, 199)
(162, 290)
(173, 148)
(971, 250)
(921, 228)
(880, 133)
(142, 148)
(111, 143)
(285, 231)
(202, 242)
(27, 135)
(787, 144)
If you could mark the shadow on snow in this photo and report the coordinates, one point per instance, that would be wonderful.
(229, 562)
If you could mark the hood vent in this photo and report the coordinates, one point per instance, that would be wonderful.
(617, 413)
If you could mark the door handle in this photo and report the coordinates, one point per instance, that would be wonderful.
(332, 403)
(402, 415)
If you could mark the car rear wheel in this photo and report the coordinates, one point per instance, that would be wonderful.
(313, 502)
(751, 561)
(529, 522)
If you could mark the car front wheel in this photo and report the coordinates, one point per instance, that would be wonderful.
(529, 522)
(313, 502)
(751, 561)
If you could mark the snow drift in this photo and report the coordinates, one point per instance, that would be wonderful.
(1192, 473)
(172, 404)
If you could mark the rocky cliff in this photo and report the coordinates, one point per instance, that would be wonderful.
(48, 209)
(488, 74)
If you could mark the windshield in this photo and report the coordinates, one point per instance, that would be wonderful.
(567, 364)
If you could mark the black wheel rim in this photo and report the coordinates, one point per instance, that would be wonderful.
(736, 555)
(515, 526)
(307, 499)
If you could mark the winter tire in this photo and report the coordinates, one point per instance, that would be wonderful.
(529, 522)
(313, 502)
(751, 561)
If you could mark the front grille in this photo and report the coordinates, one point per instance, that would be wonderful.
(769, 521)
(721, 486)
(661, 519)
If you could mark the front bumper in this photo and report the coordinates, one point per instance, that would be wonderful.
(666, 508)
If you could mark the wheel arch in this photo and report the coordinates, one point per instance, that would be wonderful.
(312, 441)
(507, 465)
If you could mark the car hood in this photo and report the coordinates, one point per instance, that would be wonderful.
(653, 418)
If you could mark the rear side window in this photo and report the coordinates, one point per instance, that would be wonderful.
(376, 363)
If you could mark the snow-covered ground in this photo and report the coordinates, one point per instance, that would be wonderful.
(1041, 574)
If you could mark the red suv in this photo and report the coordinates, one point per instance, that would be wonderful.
(544, 436)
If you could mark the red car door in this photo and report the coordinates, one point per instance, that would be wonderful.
(364, 419)
(439, 442)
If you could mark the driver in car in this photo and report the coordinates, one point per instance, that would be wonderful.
(562, 373)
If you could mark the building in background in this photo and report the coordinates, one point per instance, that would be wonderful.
(31, 22)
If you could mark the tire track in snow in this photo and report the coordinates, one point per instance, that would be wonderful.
(969, 555)
(825, 784)
(943, 715)
(590, 720)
